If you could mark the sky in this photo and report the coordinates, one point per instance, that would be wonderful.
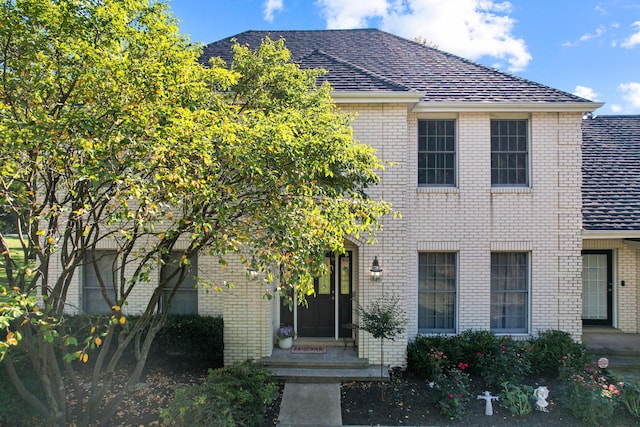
(587, 47)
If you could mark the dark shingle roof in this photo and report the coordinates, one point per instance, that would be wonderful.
(370, 59)
(611, 173)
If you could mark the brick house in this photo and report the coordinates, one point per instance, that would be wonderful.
(611, 221)
(487, 175)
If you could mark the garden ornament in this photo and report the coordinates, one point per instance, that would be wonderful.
(488, 407)
(541, 394)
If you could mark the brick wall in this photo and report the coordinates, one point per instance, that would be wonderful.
(472, 220)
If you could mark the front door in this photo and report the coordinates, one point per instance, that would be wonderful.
(329, 310)
(597, 288)
(318, 319)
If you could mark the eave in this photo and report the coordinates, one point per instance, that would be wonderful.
(503, 107)
(610, 234)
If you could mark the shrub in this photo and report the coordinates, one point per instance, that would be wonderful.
(507, 362)
(552, 350)
(471, 345)
(430, 363)
(232, 396)
(451, 393)
(516, 398)
(590, 397)
(198, 339)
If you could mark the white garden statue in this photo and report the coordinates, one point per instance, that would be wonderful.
(488, 407)
(541, 394)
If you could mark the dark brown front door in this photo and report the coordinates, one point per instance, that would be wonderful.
(597, 288)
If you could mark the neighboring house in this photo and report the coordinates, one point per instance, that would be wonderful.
(487, 177)
(611, 221)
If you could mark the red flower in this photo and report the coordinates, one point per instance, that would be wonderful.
(504, 348)
(450, 395)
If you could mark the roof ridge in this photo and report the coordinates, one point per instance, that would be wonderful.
(359, 68)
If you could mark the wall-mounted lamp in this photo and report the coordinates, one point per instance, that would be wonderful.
(252, 271)
(376, 271)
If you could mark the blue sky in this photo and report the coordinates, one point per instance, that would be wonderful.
(590, 48)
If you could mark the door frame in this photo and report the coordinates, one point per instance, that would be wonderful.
(609, 321)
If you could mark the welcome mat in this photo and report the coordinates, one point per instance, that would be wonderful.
(308, 349)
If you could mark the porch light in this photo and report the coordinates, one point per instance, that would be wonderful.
(252, 271)
(376, 271)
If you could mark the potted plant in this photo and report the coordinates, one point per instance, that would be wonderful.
(285, 336)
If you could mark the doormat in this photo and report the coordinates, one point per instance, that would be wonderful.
(308, 349)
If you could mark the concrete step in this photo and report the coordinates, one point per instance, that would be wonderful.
(325, 364)
(328, 374)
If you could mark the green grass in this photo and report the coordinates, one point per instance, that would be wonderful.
(16, 254)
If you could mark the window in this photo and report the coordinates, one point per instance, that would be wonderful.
(437, 292)
(98, 267)
(509, 292)
(185, 300)
(437, 153)
(509, 153)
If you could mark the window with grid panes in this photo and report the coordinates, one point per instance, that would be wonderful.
(98, 271)
(509, 292)
(437, 278)
(185, 300)
(509, 153)
(437, 153)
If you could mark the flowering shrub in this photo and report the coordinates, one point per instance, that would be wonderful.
(451, 393)
(285, 331)
(506, 363)
(590, 397)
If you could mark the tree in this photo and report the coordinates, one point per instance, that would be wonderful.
(112, 133)
(384, 318)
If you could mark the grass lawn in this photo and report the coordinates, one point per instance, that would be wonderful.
(16, 254)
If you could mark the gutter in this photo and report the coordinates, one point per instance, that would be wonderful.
(608, 234)
(496, 106)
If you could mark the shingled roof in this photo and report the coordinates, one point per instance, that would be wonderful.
(370, 60)
(611, 173)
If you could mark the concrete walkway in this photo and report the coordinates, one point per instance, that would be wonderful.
(310, 404)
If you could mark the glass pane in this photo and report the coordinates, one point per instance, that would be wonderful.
(345, 275)
(436, 291)
(324, 282)
(509, 291)
(103, 269)
(185, 300)
(594, 286)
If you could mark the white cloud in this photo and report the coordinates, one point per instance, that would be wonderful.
(631, 92)
(271, 6)
(615, 108)
(585, 92)
(470, 28)
(599, 31)
(634, 39)
(351, 14)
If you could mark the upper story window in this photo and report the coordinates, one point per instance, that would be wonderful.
(437, 152)
(509, 153)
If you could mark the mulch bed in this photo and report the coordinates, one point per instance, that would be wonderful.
(406, 401)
